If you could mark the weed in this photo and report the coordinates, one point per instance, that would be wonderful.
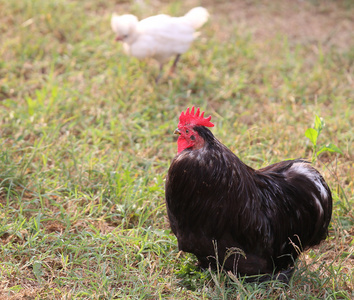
(313, 133)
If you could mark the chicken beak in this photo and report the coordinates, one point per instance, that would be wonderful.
(177, 131)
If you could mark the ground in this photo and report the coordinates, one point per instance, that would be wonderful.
(86, 139)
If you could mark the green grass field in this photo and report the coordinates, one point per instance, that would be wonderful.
(86, 139)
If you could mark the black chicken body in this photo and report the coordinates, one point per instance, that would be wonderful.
(216, 203)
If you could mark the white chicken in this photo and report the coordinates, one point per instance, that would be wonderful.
(160, 36)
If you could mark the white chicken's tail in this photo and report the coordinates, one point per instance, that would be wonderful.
(197, 16)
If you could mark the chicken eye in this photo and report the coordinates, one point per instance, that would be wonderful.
(187, 131)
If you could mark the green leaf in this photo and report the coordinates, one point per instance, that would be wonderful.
(31, 105)
(319, 124)
(329, 148)
(16, 288)
(312, 134)
(37, 269)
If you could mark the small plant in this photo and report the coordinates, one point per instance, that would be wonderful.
(313, 133)
(191, 276)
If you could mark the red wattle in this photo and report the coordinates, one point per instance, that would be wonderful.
(181, 144)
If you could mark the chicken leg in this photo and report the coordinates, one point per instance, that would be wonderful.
(157, 79)
(173, 68)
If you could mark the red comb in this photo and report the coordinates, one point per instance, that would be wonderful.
(194, 119)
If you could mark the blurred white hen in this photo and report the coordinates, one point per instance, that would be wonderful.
(159, 37)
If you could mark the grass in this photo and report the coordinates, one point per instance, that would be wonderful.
(86, 141)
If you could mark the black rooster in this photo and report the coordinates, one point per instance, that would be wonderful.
(255, 221)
